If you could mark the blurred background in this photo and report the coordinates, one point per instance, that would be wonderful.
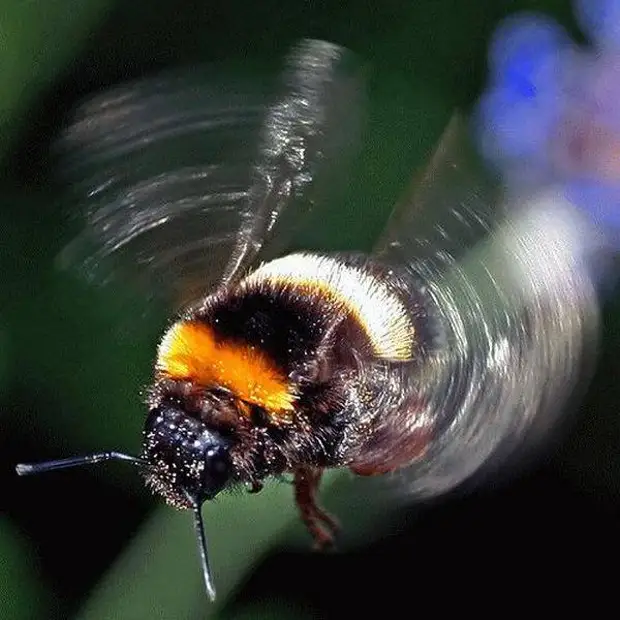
(94, 543)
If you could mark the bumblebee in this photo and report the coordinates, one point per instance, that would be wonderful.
(291, 363)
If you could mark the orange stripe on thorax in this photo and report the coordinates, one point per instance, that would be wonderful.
(190, 351)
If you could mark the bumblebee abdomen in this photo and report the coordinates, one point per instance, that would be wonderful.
(365, 295)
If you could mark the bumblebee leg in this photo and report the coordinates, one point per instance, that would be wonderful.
(321, 525)
(256, 486)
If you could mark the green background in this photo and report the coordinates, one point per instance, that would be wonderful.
(94, 544)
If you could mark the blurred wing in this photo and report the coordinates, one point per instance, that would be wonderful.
(180, 180)
(451, 207)
(308, 135)
(507, 319)
(447, 211)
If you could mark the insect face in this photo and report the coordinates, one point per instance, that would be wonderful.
(190, 463)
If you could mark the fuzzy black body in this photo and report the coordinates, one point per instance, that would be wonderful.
(336, 332)
(313, 341)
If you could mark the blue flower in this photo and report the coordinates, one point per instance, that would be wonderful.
(523, 102)
(600, 20)
(524, 53)
(602, 200)
(551, 110)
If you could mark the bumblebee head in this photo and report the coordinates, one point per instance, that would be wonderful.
(188, 462)
(183, 460)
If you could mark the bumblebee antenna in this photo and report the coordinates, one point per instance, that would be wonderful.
(26, 469)
(202, 550)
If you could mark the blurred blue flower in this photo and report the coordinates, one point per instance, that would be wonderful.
(522, 106)
(600, 20)
(523, 50)
(551, 113)
(601, 200)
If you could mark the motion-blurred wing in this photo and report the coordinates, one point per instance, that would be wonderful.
(507, 320)
(181, 179)
(450, 208)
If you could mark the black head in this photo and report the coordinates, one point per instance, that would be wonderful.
(182, 459)
(188, 462)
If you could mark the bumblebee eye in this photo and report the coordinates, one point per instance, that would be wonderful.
(217, 470)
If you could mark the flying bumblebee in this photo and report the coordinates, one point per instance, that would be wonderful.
(293, 363)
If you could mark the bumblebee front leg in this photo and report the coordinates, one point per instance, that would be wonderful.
(321, 525)
(255, 486)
